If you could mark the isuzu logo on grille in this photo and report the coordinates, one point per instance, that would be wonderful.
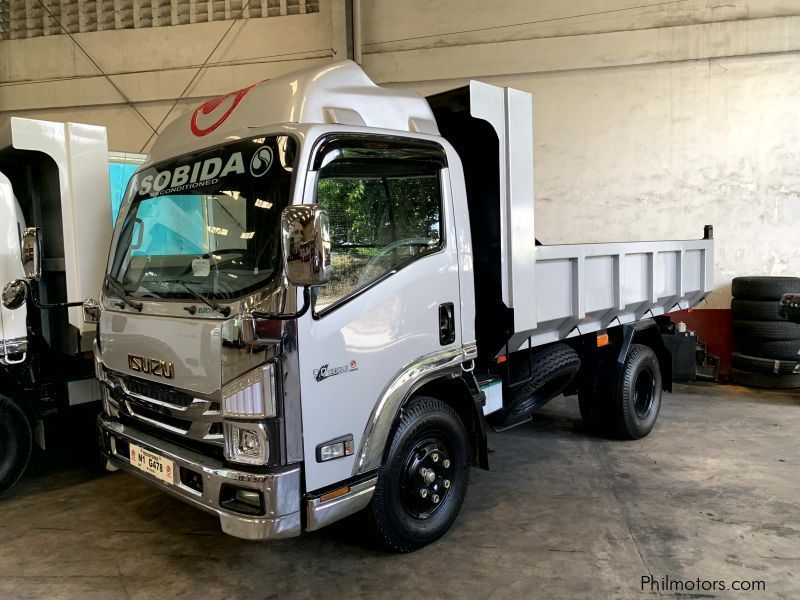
(153, 366)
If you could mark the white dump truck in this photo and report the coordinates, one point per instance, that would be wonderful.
(55, 229)
(320, 290)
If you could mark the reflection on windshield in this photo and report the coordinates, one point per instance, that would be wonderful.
(209, 219)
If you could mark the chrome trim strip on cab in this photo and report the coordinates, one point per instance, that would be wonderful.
(319, 514)
(412, 376)
(280, 488)
(198, 415)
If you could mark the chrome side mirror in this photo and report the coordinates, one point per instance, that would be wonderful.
(32, 253)
(306, 245)
(91, 311)
(14, 294)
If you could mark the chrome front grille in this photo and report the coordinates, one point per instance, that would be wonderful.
(161, 406)
(156, 393)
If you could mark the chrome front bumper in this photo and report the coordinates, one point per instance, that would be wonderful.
(280, 489)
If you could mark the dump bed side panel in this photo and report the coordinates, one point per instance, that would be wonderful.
(583, 288)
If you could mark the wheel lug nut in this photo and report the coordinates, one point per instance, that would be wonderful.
(446, 463)
(424, 493)
(423, 472)
(435, 457)
(435, 498)
(446, 484)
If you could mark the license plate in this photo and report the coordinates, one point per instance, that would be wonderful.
(152, 463)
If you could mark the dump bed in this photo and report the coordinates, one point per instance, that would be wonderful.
(548, 293)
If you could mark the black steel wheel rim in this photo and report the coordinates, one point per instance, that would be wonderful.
(427, 478)
(644, 392)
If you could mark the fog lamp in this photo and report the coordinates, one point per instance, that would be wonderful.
(241, 500)
(251, 497)
(246, 443)
(251, 396)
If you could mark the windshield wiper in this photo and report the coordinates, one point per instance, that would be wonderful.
(120, 292)
(223, 310)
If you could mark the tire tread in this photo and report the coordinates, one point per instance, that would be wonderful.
(765, 366)
(12, 416)
(763, 287)
(761, 380)
(377, 519)
(755, 310)
(623, 424)
(765, 331)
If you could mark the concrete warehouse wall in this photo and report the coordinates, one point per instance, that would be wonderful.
(52, 78)
(651, 119)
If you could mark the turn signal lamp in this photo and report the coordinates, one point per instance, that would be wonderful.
(252, 396)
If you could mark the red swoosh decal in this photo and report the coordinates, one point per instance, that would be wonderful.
(210, 106)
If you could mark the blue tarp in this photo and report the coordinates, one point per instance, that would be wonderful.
(120, 174)
(172, 225)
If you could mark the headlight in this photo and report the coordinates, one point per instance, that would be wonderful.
(246, 443)
(252, 396)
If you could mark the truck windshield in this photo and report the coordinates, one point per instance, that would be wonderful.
(209, 219)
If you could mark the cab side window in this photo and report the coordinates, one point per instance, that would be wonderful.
(384, 213)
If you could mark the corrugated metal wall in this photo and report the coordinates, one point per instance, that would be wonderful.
(34, 18)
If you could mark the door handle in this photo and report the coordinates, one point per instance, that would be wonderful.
(447, 324)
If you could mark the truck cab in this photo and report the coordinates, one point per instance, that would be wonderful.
(310, 306)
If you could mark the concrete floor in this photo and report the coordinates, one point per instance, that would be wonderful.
(712, 493)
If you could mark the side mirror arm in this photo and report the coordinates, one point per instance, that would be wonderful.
(303, 310)
(250, 320)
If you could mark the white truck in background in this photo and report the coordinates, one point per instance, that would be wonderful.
(55, 228)
(319, 290)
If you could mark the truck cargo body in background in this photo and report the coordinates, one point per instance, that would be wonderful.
(54, 193)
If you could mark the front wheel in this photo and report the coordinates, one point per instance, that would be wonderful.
(16, 443)
(423, 481)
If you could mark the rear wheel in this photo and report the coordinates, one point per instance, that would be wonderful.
(423, 481)
(637, 394)
(16, 443)
(622, 401)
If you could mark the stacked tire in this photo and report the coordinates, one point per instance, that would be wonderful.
(766, 346)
